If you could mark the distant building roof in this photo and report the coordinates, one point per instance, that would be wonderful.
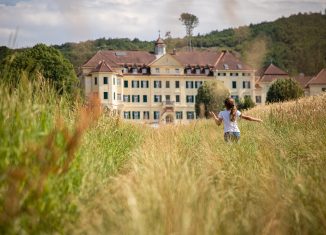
(118, 58)
(229, 61)
(271, 73)
(302, 80)
(201, 58)
(320, 79)
(102, 67)
(159, 41)
(274, 70)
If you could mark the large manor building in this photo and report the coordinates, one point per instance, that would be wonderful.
(162, 87)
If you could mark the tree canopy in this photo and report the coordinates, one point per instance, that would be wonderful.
(284, 90)
(41, 60)
(190, 21)
(210, 97)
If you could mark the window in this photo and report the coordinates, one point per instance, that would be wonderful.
(125, 70)
(226, 66)
(146, 115)
(246, 84)
(113, 95)
(323, 89)
(156, 115)
(126, 98)
(95, 81)
(258, 99)
(135, 115)
(178, 115)
(125, 84)
(157, 84)
(135, 98)
(167, 98)
(144, 70)
(177, 71)
(207, 71)
(234, 84)
(190, 99)
(105, 95)
(157, 70)
(134, 84)
(177, 98)
(119, 97)
(236, 74)
(157, 98)
(189, 84)
(134, 70)
(188, 71)
(113, 80)
(145, 98)
(126, 115)
(239, 66)
(144, 84)
(197, 71)
(167, 70)
(105, 80)
(118, 82)
(198, 84)
(231, 74)
(190, 115)
(177, 84)
(167, 84)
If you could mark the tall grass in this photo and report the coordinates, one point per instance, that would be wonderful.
(187, 180)
(54, 153)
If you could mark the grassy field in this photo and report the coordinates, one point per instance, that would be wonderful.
(68, 169)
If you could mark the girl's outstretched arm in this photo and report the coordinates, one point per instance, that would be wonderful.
(218, 121)
(249, 118)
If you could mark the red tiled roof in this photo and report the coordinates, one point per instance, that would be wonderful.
(102, 67)
(302, 80)
(194, 58)
(271, 78)
(274, 70)
(229, 61)
(117, 58)
(271, 73)
(320, 79)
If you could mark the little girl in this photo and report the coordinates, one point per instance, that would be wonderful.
(230, 116)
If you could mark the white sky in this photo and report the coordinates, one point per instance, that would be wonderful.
(60, 21)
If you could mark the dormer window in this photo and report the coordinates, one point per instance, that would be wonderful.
(207, 71)
(198, 71)
(177, 71)
(125, 70)
(239, 66)
(188, 71)
(226, 66)
(144, 70)
(134, 70)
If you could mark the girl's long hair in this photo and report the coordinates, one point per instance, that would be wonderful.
(230, 105)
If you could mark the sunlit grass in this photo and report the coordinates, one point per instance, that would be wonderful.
(186, 180)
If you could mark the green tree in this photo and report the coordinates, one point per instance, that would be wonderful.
(246, 103)
(210, 97)
(41, 60)
(190, 21)
(283, 90)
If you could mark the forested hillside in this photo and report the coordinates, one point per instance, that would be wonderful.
(296, 44)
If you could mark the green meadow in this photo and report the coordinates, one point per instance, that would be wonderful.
(66, 167)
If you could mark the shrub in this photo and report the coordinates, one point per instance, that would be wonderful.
(284, 90)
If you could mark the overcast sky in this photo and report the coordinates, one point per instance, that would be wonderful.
(28, 22)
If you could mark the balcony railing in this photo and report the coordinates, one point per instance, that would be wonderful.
(168, 103)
